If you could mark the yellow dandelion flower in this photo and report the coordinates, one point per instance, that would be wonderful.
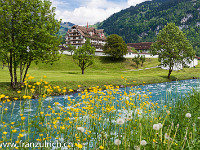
(80, 146)
(14, 130)
(23, 118)
(44, 76)
(39, 140)
(101, 147)
(21, 135)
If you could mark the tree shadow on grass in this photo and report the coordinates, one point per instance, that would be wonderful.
(172, 78)
(108, 59)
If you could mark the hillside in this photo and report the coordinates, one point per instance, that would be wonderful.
(64, 26)
(143, 22)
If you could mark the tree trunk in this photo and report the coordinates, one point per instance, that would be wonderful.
(15, 73)
(170, 71)
(82, 71)
(27, 67)
(10, 68)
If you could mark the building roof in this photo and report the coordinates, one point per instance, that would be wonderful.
(90, 32)
(141, 46)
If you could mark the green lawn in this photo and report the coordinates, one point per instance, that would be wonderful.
(66, 73)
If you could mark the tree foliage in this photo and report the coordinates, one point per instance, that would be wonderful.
(84, 56)
(172, 47)
(139, 59)
(136, 59)
(71, 48)
(28, 33)
(115, 46)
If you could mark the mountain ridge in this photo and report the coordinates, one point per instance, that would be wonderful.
(141, 23)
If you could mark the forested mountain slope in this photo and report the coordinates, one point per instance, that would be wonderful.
(143, 22)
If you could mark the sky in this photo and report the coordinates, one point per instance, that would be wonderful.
(81, 12)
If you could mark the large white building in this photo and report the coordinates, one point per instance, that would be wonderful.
(77, 36)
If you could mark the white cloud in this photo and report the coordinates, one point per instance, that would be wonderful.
(135, 2)
(91, 11)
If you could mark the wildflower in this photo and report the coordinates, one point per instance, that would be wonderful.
(167, 136)
(101, 147)
(198, 117)
(80, 146)
(136, 147)
(156, 127)
(18, 92)
(188, 115)
(120, 121)
(38, 83)
(168, 112)
(129, 116)
(154, 140)
(21, 135)
(44, 76)
(23, 118)
(14, 130)
(80, 129)
(117, 142)
(143, 143)
(4, 133)
(160, 125)
(39, 140)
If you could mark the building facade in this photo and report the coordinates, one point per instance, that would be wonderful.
(77, 36)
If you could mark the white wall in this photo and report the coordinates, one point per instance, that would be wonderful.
(179, 66)
(132, 55)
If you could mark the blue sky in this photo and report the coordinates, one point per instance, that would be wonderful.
(92, 11)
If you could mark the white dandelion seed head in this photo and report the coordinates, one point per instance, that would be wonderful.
(81, 129)
(120, 121)
(136, 147)
(167, 136)
(156, 127)
(168, 112)
(198, 117)
(188, 115)
(129, 116)
(143, 143)
(117, 142)
(160, 125)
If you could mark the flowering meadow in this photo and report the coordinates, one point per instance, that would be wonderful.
(108, 118)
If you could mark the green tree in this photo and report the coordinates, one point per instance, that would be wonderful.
(84, 56)
(115, 46)
(142, 59)
(136, 59)
(71, 48)
(172, 47)
(28, 33)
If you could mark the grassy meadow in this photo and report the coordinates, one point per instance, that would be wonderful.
(104, 71)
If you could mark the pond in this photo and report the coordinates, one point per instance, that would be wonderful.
(161, 93)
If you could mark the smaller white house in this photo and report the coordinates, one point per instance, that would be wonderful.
(179, 66)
